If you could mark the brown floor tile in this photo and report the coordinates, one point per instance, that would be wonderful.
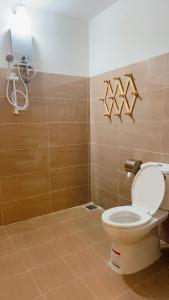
(3, 232)
(75, 290)
(93, 235)
(78, 224)
(43, 221)
(104, 248)
(19, 228)
(10, 266)
(20, 287)
(85, 261)
(52, 275)
(137, 294)
(72, 213)
(39, 255)
(6, 247)
(158, 286)
(105, 283)
(28, 240)
(69, 244)
(55, 231)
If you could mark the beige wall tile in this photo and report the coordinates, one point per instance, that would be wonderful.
(67, 87)
(25, 185)
(69, 198)
(149, 74)
(104, 179)
(23, 161)
(68, 156)
(165, 115)
(144, 156)
(104, 156)
(69, 177)
(123, 202)
(104, 133)
(102, 198)
(20, 136)
(2, 82)
(36, 113)
(37, 87)
(165, 137)
(67, 111)
(143, 136)
(26, 208)
(68, 134)
(148, 107)
(125, 185)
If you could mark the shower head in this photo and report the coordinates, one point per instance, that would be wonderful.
(9, 58)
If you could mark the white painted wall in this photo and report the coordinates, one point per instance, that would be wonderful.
(61, 43)
(127, 32)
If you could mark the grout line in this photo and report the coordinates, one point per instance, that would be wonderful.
(1, 204)
(24, 198)
(49, 151)
(28, 271)
(79, 278)
(70, 188)
(40, 148)
(69, 167)
(42, 171)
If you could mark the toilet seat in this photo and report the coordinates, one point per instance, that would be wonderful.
(148, 189)
(128, 217)
(147, 194)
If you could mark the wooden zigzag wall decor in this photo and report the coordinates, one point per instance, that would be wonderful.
(119, 91)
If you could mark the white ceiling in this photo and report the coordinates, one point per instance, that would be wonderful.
(76, 8)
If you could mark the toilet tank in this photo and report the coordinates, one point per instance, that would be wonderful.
(165, 170)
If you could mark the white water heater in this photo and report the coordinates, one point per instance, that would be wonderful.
(21, 49)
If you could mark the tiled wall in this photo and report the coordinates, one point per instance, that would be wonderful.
(146, 138)
(44, 150)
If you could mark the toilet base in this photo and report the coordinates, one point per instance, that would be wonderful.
(131, 258)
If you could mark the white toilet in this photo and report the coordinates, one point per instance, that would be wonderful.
(134, 229)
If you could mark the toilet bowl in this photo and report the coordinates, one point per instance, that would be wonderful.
(134, 230)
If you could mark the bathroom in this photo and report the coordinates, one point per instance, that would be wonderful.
(84, 149)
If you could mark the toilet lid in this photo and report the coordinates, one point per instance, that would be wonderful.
(148, 189)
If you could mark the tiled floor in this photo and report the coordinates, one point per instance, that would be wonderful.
(63, 256)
